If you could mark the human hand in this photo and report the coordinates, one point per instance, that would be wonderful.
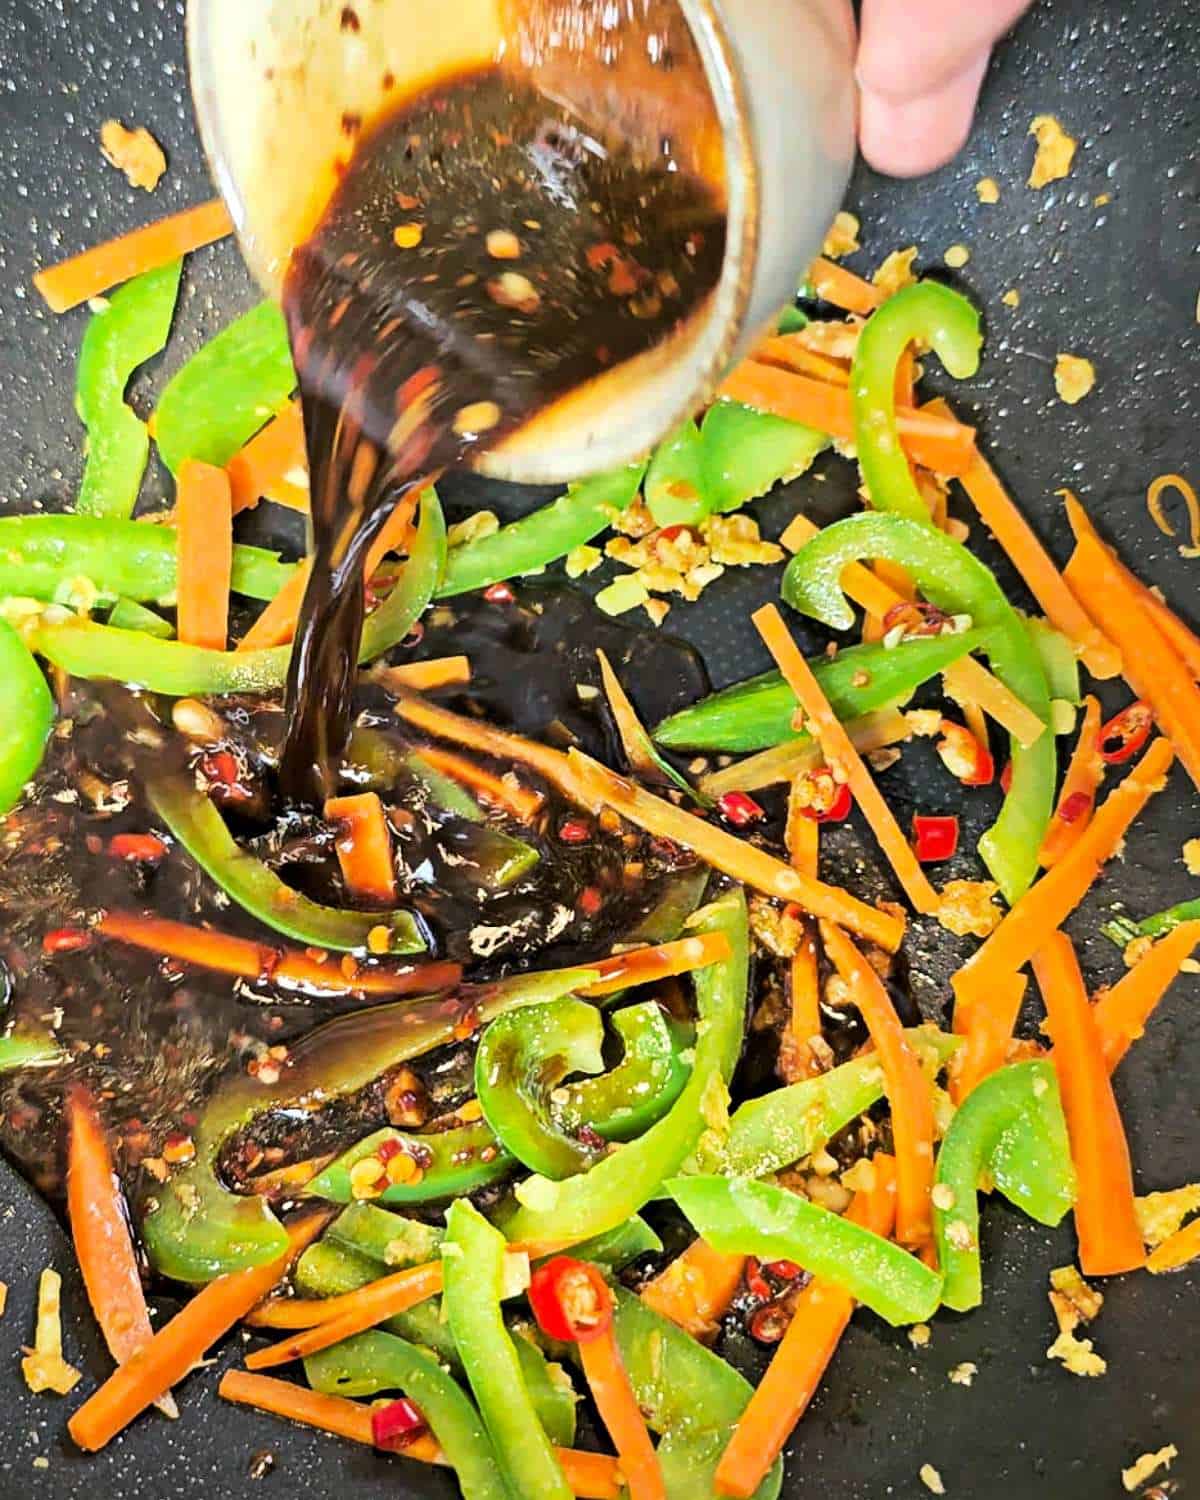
(920, 67)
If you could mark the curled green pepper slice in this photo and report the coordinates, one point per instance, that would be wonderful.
(128, 614)
(132, 327)
(622, 1103)
(746, 453)
(192, 818)
(453, 1163)
(675, 487)
(391, 1239)
(740, 1217)
(951, 578)
(29, 1050)
(757, 714)
(536, 540)
(28, 715)
(929, 313)
(1011, 1126)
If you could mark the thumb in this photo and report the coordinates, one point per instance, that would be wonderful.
(920, 67)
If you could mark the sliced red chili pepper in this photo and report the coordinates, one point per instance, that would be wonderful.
(821, 797)
(964, 756)
(916, 618)
(570, 1300)
(935, 838)
(396, 1425)
(499, 593)
(387, 1149)
(66, 940)
(786, 1270)
(1125, 734)
(740, 809)
(591, 901)
(769, 1324)
(1074, 807)
(575, 831)
(756, 1284)
(138, 848)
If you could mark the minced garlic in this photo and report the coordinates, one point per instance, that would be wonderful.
(987, 190)
(134, 152)
(1149, 1463)
(43, 1367)
(896, 272)
(967, 908)
(1055, 151)
(842, 238)
(1160, 1215)
(1074, 377)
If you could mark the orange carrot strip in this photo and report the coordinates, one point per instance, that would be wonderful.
(1083, 778)
(937, 443)
(204, 526)
(424, 676)
(290, 966)
(608, 1381)
(1000, 514)
(987, 1033)
(1182, 639)
(396, 529)
(843, 288)
(791, 1380)
(260, 470)
(1182, 1248)
(648, 965)
(785, 352)
(803, 835)
(1121, 1012)
(1150, 666)
(736, 857)
(364, 846)
(695, 1290)
(73, 281)
(906, 377)
(859, 583)
(1106, 1221)
(100, 1233)
(363, 1309)
(909, 1095)
(503, 792)
(179, 1344)
(844, 758)
(592, 1476)
(896, 577)
(969, 681)
(276, 625)
(1047, 904)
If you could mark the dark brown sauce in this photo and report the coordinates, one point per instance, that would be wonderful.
(484, 256)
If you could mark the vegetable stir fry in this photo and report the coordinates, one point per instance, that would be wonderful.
(446, 1057)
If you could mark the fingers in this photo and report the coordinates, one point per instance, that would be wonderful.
(920, 67)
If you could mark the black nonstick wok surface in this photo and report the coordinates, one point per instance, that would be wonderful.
(1117, 283)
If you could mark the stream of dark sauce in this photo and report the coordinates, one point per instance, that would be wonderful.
(483, 256)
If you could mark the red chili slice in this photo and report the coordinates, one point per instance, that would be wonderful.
(740, 809)
(935, 838)
(917, 619)
(396, 1425)
(1074, 807)
(574, 831)
(756, 1285)
(138, 848)
(964, 756)
(499, 593)
(1125, 734)
(570, 1300)
(66, 940)
(823, 798)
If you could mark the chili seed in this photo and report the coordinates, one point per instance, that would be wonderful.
(482, 416)
(408, 236)
(511, 289)
(502, 244)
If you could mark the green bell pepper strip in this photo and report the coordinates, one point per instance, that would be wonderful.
(627, 1100)
(472, 1261)
(544, 536)
(740, 1217)
(929, 313)
(675, 489)
(226, 391)
(618, 1185)
(195, 1229)
(1124, 930)
(488, 856)
(1059, 659)
(27, 1050)
(195, 822)
(128, 614)
(457, 1162)
(443, 792)
(1010, 1126)
(792, 319)
(40, 557)
(616, 1248)
(372, 1362)
(133, 327)
(757, 714)
(771, 1132)
(98, 652)
(522, 1058)
(28, 715)
(393, 1240)
(951, 578)
(747, 453)
(681, 893)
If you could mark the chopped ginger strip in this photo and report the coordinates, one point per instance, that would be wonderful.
(1055, 151)
(1161, 1214)
(842, 238)
(896, 272)
(134, 152)
(987, 190)
(1073, 377)
(1148, 1464)
(43, 1367)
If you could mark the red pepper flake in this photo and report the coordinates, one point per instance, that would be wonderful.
(67, 940)
(1074, 807)
(575, 831)
(590, 1138)
(500, 593)
(917, 619)
(769, 1324)
(1125, 734)
(350, 21)
(387, 1149)
(600, 256)
(395, 1426)
(756, 1283)
(220, 768)
(786, 1270)
(935, 838)
(137, 848)
(591, 901)
(740, 809)
(964, 756)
